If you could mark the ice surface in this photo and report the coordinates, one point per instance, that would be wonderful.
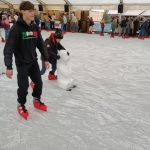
(109, 109)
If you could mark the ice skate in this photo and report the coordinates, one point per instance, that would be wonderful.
(39, 105)
(3, 40)
(74, 86)
(69, 89)
(52, 77)
(23, 112)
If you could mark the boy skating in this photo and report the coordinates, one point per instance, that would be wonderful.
(23, 39)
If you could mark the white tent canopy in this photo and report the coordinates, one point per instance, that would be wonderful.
(113, 12)
(19, 1)
(108, 2)
(82, 2)
(54, 2)
(133, 12)
(146, 13)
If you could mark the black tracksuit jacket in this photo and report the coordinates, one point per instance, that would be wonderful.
(23, 41)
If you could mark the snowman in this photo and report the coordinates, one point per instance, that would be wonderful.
(64, 74)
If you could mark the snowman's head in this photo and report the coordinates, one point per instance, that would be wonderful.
(64, 57)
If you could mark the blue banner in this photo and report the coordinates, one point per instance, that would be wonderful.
(97, 27)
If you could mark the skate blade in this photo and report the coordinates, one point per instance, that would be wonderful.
(52, 79)
(74, 86)
(24, 117)
(69, 90)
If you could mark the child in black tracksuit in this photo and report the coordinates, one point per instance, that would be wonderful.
(53, 45)
(23, 40)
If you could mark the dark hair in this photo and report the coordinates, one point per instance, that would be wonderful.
(26, 5)
(17, 13)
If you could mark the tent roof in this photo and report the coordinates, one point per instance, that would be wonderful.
(146, 13)
(108, 2)
(133, 12)
(81, 2)
(113, 12)
(19, 1)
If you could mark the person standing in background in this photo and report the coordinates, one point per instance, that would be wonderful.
(143, 28)
(50, 20)
(16, 16)
(136, 26)
(9, 18)
(91, 23)
(128, 27)
(2, 39)
(53, 21)
(67, 25)
(117, 29)
(132, 28)
(122, 25)
(113, 27)
(6, 25)
(149, 30)
(1, 15)
(80, 25)
(102, 27)
(42, 21)
(65, 22)
(62, 22)
(47, 22)
(125, 24)
(1, 28)
(74, 20)
(37, 21)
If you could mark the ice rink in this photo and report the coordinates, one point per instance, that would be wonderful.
(109, 109)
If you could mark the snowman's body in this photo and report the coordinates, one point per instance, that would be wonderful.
(64, 72)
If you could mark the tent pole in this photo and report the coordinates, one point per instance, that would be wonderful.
(40, 1)
(67, 1)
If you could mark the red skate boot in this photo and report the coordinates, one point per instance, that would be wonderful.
(139, 37)
(23, 112)
(3, 40)
(123, 37)
(52, 77)
(39, 105)
(127, 36)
